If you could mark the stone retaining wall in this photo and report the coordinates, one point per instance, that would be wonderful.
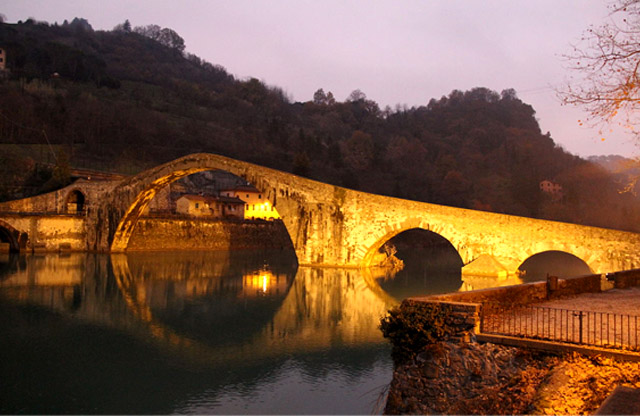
(50, 232)
(576, 285)
(207, 234)
(530, 292)
(625, 279)
(463, 309)
(524, 293)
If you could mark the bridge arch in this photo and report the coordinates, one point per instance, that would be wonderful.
(129, 200)
(75, 201)
(553, 262)
(592, 260)
(16, 239)
(446, 233)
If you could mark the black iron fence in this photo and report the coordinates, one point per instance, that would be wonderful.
(601, 329)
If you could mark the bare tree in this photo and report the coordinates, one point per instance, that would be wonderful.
(605, 66)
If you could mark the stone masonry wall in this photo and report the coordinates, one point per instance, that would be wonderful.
(55, 202)
(50, 232)
(462, 318)
(524, 293)
(626, 279)
(576, 285)
(203, 234)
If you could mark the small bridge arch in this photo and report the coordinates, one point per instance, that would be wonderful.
(553, 262)
(16, 239)
(75, 201)
(590, 260)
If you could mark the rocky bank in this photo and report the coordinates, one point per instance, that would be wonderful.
(473, 378)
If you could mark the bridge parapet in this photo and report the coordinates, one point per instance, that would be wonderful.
(57, 202)
(52, 221)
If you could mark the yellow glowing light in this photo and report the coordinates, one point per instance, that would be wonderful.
(263, 210)
(261, 283)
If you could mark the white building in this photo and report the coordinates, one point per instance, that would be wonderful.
(256, 205)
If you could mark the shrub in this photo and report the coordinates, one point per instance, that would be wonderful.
(413, 325)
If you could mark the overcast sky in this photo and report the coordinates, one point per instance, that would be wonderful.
(396, 52)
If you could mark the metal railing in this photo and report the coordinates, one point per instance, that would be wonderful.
(601, 329)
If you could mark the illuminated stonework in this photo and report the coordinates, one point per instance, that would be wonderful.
(333, 226)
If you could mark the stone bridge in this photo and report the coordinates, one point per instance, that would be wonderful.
(334, 226)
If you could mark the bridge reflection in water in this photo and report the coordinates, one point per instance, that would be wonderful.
(192, 332)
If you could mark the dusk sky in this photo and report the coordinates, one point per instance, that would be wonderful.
(396, 52)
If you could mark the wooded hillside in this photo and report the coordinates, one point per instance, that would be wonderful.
(131, 98)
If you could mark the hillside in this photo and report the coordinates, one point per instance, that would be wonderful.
(129, 99)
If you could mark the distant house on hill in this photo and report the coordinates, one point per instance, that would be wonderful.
(3, 59)
(210, 206)
(551, 188)
(255, 205)
(4, 67)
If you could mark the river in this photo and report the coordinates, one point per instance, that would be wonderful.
(243, 332)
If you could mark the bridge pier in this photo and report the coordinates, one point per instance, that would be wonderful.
(486, 265)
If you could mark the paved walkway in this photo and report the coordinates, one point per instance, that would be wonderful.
(547, 324)
(609, 319)
(622, 301)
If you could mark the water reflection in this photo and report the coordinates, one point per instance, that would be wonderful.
(431, 265)
(427, 270)
(196, 332)
(219, 298)
(432, 270)
(227, 325)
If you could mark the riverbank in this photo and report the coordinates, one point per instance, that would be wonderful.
(474, 378)
(460, 378)
(466, 378)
